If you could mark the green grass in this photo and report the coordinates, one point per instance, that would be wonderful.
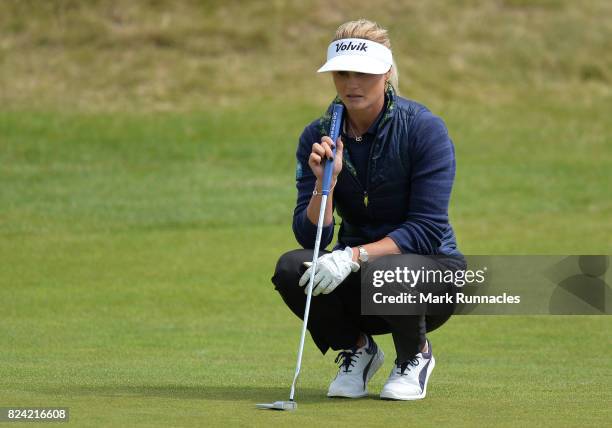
(166, 55)
(137, 251)
(69, 172)
(146, 162)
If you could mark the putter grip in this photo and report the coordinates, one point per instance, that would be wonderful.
(334, 132)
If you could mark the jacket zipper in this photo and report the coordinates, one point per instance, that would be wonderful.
(365, 191)
(366, 199)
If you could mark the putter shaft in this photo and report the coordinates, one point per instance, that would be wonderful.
(315, 256)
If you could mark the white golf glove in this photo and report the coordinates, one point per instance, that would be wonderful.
(332, 269)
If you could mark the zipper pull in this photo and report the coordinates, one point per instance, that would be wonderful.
(365, 198)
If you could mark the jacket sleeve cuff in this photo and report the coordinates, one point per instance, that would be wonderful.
(402, 240)
(306, 232)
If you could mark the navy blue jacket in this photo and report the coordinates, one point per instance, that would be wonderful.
(410, 177)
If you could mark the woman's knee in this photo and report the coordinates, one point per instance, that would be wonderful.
(289, 269)
(421, 276)
(434, 322)
(412, 262)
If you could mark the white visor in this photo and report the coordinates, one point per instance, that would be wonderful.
(364, 56)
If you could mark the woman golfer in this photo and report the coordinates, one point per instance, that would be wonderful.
(392, 179)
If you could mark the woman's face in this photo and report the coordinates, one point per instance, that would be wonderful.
(360, 91)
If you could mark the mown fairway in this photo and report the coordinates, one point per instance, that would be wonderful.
(146, 192)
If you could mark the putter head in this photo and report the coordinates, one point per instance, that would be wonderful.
(278, 405)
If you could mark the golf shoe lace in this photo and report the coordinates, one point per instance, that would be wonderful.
(403, 367)
(347, 359)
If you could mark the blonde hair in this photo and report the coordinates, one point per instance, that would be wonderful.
(365, 29)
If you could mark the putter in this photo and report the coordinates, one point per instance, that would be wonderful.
(336, 122)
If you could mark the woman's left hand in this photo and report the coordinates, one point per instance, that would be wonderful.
(332, 269)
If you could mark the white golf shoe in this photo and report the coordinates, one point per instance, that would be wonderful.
(408, 379)
(357, 366)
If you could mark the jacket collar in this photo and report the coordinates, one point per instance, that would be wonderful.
(383, 123)
(381, 130)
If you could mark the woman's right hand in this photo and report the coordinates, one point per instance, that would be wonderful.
(319, 155)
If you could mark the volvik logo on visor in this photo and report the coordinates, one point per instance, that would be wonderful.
(360, 55)
(351, 47)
